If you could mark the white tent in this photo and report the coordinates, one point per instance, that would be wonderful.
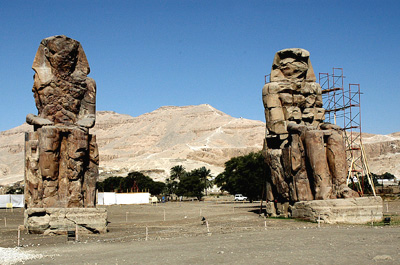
(106, 198)
(17, 200)
(4, 199)
(132, 198)
(110, 198)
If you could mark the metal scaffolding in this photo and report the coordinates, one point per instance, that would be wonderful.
(343, 108)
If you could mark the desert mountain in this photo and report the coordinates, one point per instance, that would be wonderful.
(192, 136)
(383, 153)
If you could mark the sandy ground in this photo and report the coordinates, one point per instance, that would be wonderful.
(236, 234)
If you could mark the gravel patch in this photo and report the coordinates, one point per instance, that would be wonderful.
(15, 255)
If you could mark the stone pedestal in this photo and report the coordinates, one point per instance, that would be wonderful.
(347, 211)
(61, 220)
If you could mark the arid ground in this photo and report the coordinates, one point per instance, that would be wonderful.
(236, 234)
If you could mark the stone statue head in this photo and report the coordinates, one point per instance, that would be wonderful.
(292, 65)
(59, 56)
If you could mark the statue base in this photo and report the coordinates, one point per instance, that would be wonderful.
(346, 211)
(61, 220)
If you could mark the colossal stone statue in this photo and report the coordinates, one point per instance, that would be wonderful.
(61, 157)
(306, 157)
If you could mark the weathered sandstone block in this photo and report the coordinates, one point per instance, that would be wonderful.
(61, 220)
(348, 211)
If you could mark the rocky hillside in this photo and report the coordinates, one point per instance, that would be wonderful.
(192, 136)
(383, 152)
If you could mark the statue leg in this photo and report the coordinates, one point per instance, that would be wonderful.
(49, 143)
(77, 150)
(91, 174)
(316, 155)
(336, 154)
(301, 183)
(33, 191)
(277, 174)
(63, 181)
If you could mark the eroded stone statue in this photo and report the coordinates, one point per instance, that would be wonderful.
(306, 157)
(61, 156)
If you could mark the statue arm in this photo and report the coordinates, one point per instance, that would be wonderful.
(87, 113)
(35, 120)
(329, 126)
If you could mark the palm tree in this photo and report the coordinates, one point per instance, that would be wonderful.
(203, 173)
(177, 172)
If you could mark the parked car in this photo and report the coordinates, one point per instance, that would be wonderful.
(240, 197)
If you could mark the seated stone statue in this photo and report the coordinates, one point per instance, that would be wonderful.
(61, 156)
(306, 157)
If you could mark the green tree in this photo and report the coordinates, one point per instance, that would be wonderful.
(171, 183)
(170, 186)
(126, 184)
(15, 189)
(177, 172)
(109, 184)
(246, 175)
(145, 183)
(385, 175)
(203, 173)
(190, 186)
(363, 183)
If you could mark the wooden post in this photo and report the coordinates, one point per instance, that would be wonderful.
(5, 221)
(319, 220)
(126, 217)
(208, 228)
(387, 207)
(372, 219)
(76, 232)
(147, 233)
(265, 225)
(19, 238)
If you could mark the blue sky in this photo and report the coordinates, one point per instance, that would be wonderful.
(148, 54)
